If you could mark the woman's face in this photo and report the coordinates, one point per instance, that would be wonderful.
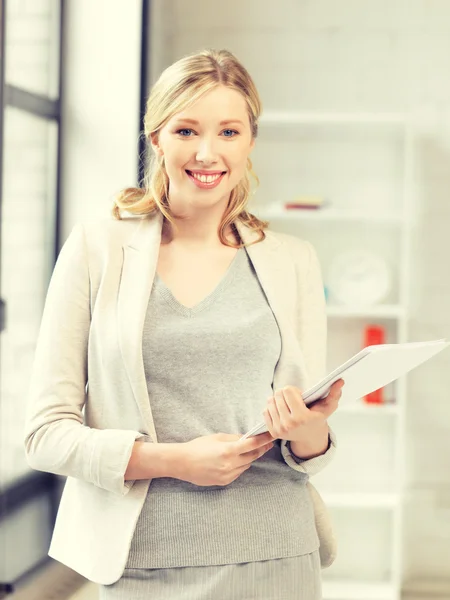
(205, 149)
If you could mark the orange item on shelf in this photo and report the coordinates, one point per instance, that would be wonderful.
(373, 335)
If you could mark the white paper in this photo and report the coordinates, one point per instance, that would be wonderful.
(370, 369)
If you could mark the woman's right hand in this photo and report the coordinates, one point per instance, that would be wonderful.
(220, 458)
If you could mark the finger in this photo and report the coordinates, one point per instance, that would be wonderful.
(294, 401)
(337, 386)
(263, 437)
(226, 437)
(249, 457)
(269, 423)
(286, 417)
(273, 414)
(332, 400)
(253, 442)
(335, 391)
(329, 404)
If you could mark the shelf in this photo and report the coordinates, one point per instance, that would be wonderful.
(305, 118)
(378, 311)
(369, 410)
(354, 590)
(312, 215)
(388, 500)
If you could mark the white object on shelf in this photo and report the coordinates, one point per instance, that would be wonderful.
(359, 277)
(355, 590)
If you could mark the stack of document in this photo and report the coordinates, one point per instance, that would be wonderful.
(370, 369)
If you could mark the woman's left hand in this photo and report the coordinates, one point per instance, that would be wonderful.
(288, 418)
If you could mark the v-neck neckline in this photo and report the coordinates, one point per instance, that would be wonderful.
(207, 300)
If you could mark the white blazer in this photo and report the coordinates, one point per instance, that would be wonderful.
(88, 400)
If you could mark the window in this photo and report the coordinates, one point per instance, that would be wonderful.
(30, 74)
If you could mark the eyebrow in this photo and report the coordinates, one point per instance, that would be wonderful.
(194, 122)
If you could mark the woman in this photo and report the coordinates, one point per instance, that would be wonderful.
(176, 332)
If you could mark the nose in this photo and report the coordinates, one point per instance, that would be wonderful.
(206, 152)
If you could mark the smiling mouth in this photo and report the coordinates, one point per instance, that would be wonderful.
(203, 178)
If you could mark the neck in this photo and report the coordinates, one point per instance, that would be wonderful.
(195, 233)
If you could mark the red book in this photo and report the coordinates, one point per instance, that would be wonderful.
(374, 335)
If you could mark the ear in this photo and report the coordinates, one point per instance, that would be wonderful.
(252, 144)
(155, 144)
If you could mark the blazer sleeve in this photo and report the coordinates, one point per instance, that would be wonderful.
(56, 439)
(311, 320)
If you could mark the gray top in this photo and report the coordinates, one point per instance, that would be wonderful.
(210, 369)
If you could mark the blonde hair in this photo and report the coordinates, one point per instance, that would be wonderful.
(178, 87)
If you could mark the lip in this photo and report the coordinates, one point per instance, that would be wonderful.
(204, 172)
(203, 184)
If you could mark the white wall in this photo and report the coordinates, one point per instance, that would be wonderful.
(101, 106)
(363, 55)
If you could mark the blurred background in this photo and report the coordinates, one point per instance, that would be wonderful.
(353, 153)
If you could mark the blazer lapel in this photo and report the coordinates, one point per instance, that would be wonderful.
(276, 273)
(140, 257)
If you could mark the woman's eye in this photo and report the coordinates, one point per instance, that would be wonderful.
(182, 132)
(230, 131)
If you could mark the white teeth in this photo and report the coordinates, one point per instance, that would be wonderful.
(206, 178)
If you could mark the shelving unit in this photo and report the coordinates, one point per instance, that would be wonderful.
(381, 311)
(364, 487)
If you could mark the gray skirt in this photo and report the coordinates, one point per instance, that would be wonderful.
(295, 578)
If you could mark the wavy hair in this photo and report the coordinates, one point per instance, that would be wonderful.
(177, 88)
